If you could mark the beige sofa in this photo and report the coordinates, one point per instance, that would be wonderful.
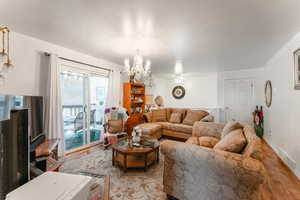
(194, 172)
(163, 122)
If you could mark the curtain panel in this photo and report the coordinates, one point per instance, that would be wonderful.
(53, 108)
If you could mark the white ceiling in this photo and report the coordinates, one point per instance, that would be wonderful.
(208, 35)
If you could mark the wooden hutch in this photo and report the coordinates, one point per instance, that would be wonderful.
(134, 102)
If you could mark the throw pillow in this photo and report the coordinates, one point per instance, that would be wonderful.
(115, 126)
(175, 118)
(234, 141)
(209, 142)
(182, 111)
(208, 118)
(159, 115)
(230, 126)
(194, 115)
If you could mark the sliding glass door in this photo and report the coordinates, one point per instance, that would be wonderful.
(97, 102)
(83, 101)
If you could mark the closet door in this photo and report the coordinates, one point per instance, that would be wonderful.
(238, 99)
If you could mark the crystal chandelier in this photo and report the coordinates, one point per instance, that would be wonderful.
(5, 61)
(139, 70)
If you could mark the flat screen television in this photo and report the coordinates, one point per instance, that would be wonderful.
(21, 118)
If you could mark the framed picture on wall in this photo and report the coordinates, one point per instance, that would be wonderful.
(297, 69)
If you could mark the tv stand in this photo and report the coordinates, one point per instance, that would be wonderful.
(49, 149)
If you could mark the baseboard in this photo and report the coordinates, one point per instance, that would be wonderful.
(284, 156)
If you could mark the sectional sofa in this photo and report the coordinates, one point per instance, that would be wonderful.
(216, 162)
(173, 122)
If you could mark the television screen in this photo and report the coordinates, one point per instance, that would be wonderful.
(35, 106)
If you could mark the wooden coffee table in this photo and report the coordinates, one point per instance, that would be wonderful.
(127, 156)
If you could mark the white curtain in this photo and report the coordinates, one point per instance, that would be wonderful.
(109, 98)
(113, 93)
(53, 108)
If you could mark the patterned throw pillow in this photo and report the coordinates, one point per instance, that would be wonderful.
(115, 126)
(159, 115)
(234, 141)
(209, 142)
(230, 126)
(194, 115)
(175, 118)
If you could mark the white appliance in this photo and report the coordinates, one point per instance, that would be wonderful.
(53, 186)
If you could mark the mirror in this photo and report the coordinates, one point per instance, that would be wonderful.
(268, 93)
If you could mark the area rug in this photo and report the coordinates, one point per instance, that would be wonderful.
(133, 185)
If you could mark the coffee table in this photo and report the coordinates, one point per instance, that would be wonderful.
(127, 156)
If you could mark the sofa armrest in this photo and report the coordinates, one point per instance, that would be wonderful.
(207, 129)
(215, 174)
(208, 118)
(147, 117)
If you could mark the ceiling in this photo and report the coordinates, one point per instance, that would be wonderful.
(207, 35)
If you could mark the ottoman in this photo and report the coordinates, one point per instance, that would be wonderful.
(152, 130)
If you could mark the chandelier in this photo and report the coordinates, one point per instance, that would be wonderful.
(5, 62)
(137, 70)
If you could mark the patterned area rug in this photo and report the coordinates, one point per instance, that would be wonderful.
(135, 184)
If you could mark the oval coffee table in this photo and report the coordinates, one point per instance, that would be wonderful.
(127, 156)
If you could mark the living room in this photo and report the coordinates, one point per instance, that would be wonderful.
(146, 100)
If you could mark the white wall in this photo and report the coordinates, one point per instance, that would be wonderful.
(201, 91)
(282, 130)
(282, 118)
(29, 75)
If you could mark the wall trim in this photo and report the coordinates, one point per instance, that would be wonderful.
(277, 151)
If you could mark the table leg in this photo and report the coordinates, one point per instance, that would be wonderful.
(125, 162)
(113, 157)
(145, 162)
(157, 155)
(55, 152)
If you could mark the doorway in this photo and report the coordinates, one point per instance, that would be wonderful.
(238, 99)
(84, 94)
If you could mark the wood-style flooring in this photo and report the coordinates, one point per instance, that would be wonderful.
(281, 184)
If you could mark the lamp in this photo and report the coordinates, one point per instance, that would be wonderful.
(148, 102)
(179, 79)
(138, 70)
(178, 67)
(5, 52)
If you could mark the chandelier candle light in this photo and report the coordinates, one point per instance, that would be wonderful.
(139, 70)
(5, 52)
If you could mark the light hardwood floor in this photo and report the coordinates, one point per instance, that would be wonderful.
(281, 184)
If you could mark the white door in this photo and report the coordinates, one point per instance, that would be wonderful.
(238, 99)
(84, 92)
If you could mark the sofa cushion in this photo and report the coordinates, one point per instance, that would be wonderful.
(177, 127)
(230, 126)
(168, 111)
(207, 141)
(208, 118)
(192, 140)
(159, 115)
(207, 129)
(194, 115)
(175, 118)
(253, 148)
(234, 141)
